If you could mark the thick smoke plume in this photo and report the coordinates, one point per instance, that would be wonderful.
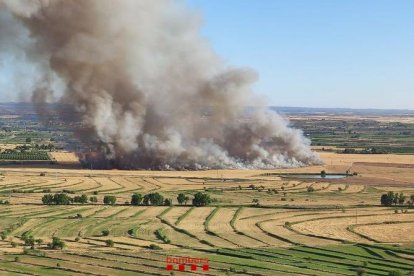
(149, 89)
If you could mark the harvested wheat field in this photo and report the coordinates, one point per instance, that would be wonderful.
(255, 217)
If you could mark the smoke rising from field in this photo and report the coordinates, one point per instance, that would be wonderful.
(149, 89)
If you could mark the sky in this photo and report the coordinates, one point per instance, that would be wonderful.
(319, 53)
(310, 53)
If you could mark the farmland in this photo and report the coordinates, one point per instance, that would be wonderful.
(259, 222)
(288, 230)
(357, 131)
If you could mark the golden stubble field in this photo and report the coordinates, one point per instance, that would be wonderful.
(286, 200)
(337, 211)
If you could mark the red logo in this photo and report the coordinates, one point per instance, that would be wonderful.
(186, 263)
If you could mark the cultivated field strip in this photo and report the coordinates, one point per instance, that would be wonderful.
(255, 225)
(338, 227)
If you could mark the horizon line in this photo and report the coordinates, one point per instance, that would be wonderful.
(279, 106)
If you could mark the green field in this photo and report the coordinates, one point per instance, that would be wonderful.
(359, 133)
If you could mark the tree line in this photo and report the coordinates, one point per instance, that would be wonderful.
(392, 198)
(65, 199)
(151, 199)
(156, 199)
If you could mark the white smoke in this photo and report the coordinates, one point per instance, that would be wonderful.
(148, 87)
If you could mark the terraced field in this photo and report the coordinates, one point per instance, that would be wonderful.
(337, 229)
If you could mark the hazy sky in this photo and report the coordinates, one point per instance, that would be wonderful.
(330, 53)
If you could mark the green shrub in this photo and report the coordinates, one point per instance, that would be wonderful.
(182, 198)
(154, 199)
(109, 200)
(93, 199)
(109, 243)
(201, 199)
(168, 202)
(56, 243)
(136, 199)
(154, 247)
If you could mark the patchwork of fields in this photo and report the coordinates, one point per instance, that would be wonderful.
(258, 223)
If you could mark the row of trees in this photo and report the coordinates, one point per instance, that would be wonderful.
(151, 199)
(391, 198)
(155, 199)
(64, 199)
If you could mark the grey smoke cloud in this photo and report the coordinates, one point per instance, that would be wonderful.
(148, 87)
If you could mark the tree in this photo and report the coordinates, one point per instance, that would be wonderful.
(154, 199)
(395, 198)
(388, 199)
(182, 198)
(109, 200)
(109, 243)
(105, 232)
(136, 199)
(28, 239)
(80, 199)
(28, 140)
(168, 202)
(323, 174)
(401, 198)
(93, 199)
(56, 243)
(310, 189)
(58, 199)
(83, 199)
(62, 199)
(201, 199)
(48, 199)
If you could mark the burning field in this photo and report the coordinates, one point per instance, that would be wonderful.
(148, 88)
